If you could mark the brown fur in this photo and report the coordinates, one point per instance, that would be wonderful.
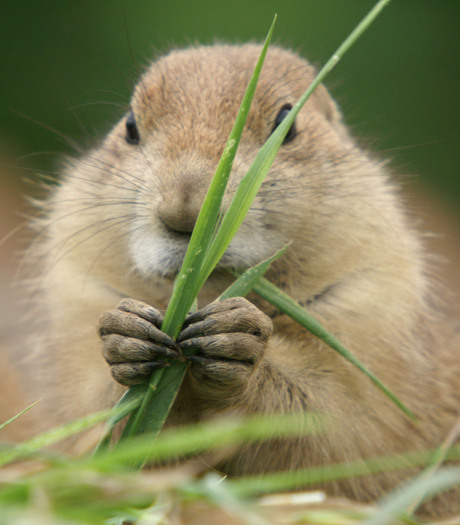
(354, 261)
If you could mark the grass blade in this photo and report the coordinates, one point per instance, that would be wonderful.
(394, 505)
(280, 481)
(212, 435)
(438, 458)
(3, 425)
(53, 436)
(253, 179)
(186, 288)
(245, 282)
(286, 304)
(131, 400)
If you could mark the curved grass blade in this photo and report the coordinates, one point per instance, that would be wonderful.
(184, 291)
(245, 282)
(253, 179)
(280, 481)
(150, 417)
(54, 436)
(394, 505)
(211, 435)
(286, 304)
(130, 400)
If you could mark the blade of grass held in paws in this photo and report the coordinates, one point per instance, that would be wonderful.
(150, 417)
(184, 292)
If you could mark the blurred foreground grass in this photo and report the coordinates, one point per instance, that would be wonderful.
(44, 487)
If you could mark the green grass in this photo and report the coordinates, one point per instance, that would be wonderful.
(105, 486)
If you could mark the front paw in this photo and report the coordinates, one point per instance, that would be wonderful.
(225, 341)
(133, 343)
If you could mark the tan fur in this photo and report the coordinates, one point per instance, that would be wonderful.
(354, 262)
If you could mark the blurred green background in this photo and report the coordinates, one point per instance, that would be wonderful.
(71, 64)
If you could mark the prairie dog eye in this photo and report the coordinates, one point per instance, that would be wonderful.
(132, 133)
(291, 134)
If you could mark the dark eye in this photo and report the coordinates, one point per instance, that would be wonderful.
(132, 133)
(291, 134)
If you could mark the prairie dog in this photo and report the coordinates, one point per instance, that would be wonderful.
(117, 228)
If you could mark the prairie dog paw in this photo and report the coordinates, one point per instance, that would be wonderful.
(133, 343)
(225, 341)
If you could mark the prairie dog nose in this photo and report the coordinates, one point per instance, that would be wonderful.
(179, 209)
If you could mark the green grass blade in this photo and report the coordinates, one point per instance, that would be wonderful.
(280, 481)
(3, 425)
(252, 181)
(130, 400)
(437, 460)
(245, 282)
(196, 438)
(286, 304)
(394, 505)
(184, 292)
(53, 436)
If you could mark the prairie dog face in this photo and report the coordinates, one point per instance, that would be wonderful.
(154, 168)
(183, 109)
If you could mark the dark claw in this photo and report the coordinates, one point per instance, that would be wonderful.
(197, 329)
(130, 374)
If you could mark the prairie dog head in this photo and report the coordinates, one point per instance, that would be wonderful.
(149, 177)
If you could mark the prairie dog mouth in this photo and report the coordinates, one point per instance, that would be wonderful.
(153, 253)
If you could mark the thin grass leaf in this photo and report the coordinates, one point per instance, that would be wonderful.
(53, 436)
(245, 282)
(253, 179)
(185, 292)
(131, 400)
(286, 304)
(394, 505)
(197, 438)
(150, 417)
(438, 458)
(249, 486)
(9, 421)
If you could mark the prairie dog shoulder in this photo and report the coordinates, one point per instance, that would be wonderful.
(120, 222)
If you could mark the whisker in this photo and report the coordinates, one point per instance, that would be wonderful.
(101, 252)
(97, 103)
(105, 167)
(76, 117)
(43, 231)
(44, 275)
